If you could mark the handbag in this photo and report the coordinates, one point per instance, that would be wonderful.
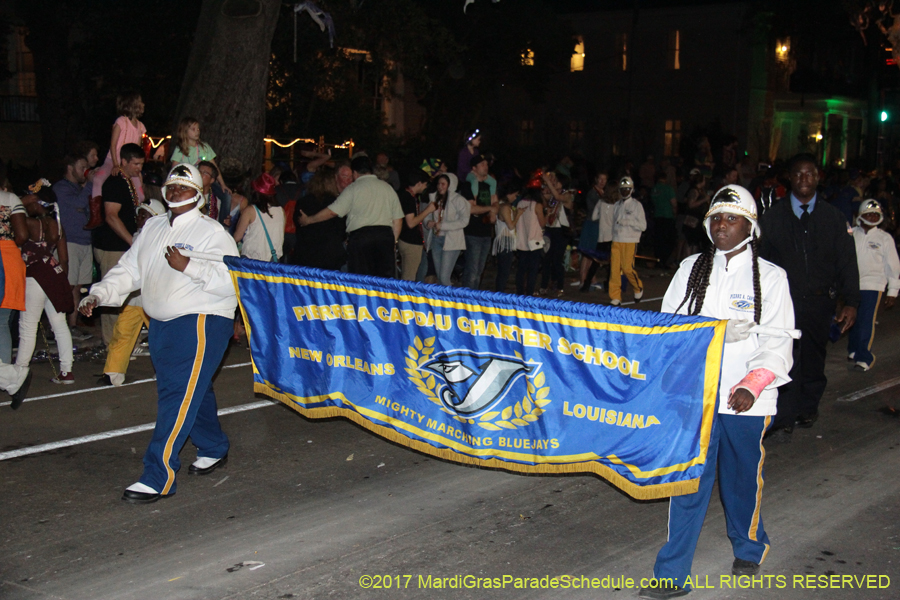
(536, 244)
(266, 231)
(54, 282)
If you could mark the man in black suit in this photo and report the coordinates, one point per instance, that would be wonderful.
(809, 238)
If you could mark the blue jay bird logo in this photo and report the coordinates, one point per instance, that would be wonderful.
(474, 382)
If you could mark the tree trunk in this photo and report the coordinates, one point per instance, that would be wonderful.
(227, 77)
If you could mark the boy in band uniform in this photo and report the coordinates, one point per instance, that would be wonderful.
(191, 306)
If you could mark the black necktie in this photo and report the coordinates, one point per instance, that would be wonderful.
(804, 218)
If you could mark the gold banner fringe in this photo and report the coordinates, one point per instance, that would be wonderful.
(648, 492)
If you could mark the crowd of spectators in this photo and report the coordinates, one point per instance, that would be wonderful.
(563, 229)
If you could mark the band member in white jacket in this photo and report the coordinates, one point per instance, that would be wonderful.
(191, 306)
(731, 282)
(629, 222)
(879, 268)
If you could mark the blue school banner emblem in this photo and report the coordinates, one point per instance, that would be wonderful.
(494, 380)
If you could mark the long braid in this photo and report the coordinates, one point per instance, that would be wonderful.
(698, 282)
(757, 290)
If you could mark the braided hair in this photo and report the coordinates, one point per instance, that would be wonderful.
(698, 282)
(757, 289)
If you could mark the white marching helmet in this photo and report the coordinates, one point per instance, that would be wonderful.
(154, 207)
(870, 207)
(625, 183)
(736, 200)
(187, 175)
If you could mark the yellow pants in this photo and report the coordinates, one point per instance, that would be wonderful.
(125, 335)
(621, 262)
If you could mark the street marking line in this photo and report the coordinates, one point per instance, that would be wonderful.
(870, 390)
(107, 387)
(119, 432)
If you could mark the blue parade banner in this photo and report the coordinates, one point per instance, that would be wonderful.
(494, 380)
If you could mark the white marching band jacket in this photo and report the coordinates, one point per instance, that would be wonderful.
(730, 296)
(876, 256)
(205, 287)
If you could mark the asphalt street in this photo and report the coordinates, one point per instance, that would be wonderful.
(324, 509)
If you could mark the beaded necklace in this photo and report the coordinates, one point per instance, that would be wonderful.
(131, 190)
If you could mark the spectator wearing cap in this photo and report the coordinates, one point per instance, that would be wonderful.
(480, 189)
(411, 241)
(191, 305)
(433, 167)
(374, 218)
(122, 346)
(73, 198)
(261, 227)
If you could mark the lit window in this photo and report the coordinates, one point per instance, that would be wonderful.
(622, 50)
(24, 74)
(674, 57)
(672, 138)
(782, 50)
(577, 62)
(528, 57)
(526, 133)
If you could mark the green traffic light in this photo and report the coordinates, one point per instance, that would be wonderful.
(884, 116)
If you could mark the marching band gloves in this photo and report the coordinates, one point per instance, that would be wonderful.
(737, 330)
(88, 300)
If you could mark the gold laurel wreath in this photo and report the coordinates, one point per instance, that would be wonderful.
(527, 410)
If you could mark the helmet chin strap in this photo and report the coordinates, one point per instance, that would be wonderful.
(746, 241)
(197, 198)
(860, 221)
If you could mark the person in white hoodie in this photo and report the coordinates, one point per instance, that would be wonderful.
(191, 304)
(879, 268)
(446, 224)
(628, 224)
(731, 282)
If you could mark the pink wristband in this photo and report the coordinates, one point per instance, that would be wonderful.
(755, 381)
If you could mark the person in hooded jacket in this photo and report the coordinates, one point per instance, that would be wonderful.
(446, 224)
